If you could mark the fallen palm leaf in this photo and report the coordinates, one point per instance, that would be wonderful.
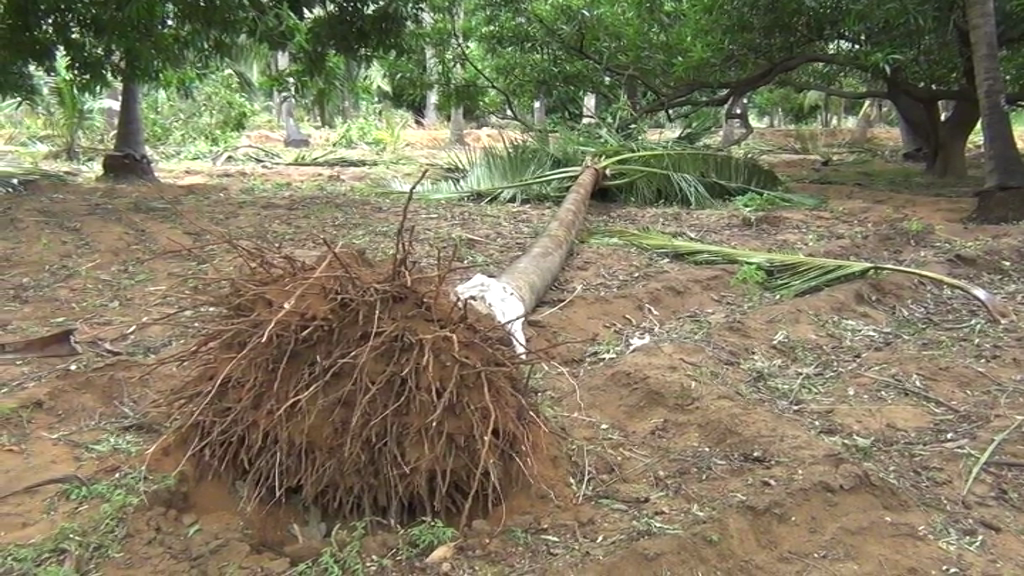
(14, 176)
(260, 155)
(56, 345)
(643, 173)
(790, 273)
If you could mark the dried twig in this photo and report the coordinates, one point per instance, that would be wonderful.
(400, 233)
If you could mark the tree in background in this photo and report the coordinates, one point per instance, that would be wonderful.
(131, 43)
(1003, 199)
(135, 42)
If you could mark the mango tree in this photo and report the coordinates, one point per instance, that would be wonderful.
(709, 52)
(1003, 199)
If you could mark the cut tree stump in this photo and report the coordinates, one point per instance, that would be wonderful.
(128, 168)
(998, 206)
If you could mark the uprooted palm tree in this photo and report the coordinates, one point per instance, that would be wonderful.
(658, 174)
(636, 172)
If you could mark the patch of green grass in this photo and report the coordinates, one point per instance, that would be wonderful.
(519, 536)
(344, 555)
(426, 535)
(118, 442)
(93, 530)
(750, 276)
(342, 558)
(900, 178)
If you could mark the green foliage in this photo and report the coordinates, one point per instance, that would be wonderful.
(765, 202)
(425, 536)
(199, 115)
(376, 128)
(750, 276)
(787, 274)
(91, 534)
(105, 41)
(58, 114)
(640, 172)
(341, 558)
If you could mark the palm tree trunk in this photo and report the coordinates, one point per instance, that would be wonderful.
(520, 287)
(294, 137)
(1003, 199)
(129, 163)
(589, 108)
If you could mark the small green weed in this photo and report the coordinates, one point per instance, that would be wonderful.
(94, 530)
(750, 276)
(425, 536)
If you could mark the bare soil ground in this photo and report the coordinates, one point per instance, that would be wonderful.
(826, 435)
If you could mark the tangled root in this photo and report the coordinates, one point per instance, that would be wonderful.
(364, 389)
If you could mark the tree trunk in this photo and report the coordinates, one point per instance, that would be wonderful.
(631, 90)
(736, 115)
(540, 112)
(540, 118)
(129, 162)
(865, 122)
(293, 136)
(111, 107)
(912, 145)
(1003, 165)
(1002, 200)
(589, 108)
(430, 115)
(520, 287)
(350, 107)
(944, 141)
(457, 126)
(324, 112)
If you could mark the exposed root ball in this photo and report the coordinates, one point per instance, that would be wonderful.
(363, 388)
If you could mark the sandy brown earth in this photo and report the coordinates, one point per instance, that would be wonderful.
(831, 434)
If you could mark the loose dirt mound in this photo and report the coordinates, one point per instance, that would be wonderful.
(363, 388)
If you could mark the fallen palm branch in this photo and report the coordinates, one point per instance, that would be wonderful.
(260, 155)
(56, 345)
(518, 289)
(789, 274)
(14, 176)
(642, 173)
(362, 387)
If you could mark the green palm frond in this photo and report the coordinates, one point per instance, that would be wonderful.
(14, 176)
(507, 173)
(790, 274)
(258, 154)
(674, 175)
(640, 172)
